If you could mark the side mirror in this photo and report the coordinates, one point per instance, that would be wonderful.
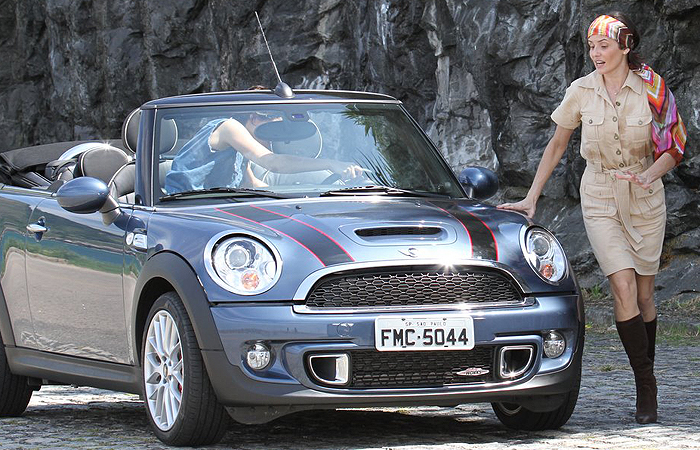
(87, 195)
(479, 182)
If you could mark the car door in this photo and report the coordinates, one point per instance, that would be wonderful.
(74, 283)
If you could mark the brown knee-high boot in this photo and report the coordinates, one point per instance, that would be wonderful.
(651, 339)
(634, 338)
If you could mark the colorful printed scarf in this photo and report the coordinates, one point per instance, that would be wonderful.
(668, 130)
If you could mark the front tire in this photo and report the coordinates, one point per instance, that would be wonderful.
(518, 417)
(15, 393)
(180, 402)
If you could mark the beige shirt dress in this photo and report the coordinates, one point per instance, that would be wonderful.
(624, 222)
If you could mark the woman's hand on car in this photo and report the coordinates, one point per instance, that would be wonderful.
(526, 205)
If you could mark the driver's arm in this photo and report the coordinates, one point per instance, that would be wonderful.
(250, 180)
(232, 133)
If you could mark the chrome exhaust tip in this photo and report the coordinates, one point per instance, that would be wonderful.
(515, 360)
(330, 368)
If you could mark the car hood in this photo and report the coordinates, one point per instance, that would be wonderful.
(326, 232)
(347, 230)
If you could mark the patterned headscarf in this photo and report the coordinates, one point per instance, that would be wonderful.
(669, 132)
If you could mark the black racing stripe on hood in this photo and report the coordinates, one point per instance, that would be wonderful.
(484, 244)
(273, 229)
(323, 246)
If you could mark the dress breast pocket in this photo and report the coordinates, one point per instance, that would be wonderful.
(591, 127)
(597, 201)
(639, 128)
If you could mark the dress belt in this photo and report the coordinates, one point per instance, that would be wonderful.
(621, 193)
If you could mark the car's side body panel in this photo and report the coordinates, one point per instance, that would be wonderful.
(16, 205)
(79, 259)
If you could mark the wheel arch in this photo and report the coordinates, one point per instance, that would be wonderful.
(8, 337)
(168, 271)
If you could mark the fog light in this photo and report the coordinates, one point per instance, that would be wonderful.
(258, 356)
(554, 344)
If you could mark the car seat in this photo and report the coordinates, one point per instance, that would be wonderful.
(101, 163)
(122, 183)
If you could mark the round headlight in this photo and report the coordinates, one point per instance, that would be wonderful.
(244, 265)
(544, 254)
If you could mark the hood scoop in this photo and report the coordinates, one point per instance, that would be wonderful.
(400, 234)
(398, 231)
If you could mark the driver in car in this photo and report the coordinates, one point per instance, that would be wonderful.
(218, 155)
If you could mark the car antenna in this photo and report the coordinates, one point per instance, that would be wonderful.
(282, 89)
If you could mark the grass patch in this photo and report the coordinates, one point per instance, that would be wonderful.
(688, 335)
(594, 293)
(600, 328)
(686, 304)
(612, 368)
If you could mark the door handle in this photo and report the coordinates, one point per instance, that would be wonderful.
(36, 228)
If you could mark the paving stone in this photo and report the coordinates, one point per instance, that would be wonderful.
(64, 417)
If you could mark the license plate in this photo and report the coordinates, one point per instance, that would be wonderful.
(424, 333)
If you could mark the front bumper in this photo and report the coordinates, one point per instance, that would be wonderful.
(286, 383)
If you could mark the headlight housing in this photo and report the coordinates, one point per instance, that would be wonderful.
(243, 265)
(544, 254)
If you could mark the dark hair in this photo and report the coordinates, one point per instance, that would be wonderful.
(634, 59)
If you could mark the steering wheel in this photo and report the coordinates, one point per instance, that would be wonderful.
(359, 180)
(332, 178)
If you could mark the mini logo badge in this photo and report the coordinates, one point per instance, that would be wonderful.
(411, 251)
(472, 372)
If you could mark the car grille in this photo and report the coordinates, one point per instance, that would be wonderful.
(374, 369)
(412, 288)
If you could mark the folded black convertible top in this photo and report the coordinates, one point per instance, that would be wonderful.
(21, 159)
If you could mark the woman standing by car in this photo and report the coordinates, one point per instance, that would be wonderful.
(631, 136)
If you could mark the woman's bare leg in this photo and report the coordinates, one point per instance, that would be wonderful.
(624, 289)
(645, 301)
(645, 296)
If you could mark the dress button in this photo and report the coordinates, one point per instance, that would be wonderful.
(614, 119)
(616, 136)
(651, 191)
(618, 152)
(617, 103)
(590, 121)
(622, 164)
(640, 122)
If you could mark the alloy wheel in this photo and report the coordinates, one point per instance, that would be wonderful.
(163, 370)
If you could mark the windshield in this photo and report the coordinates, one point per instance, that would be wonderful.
(292, 150)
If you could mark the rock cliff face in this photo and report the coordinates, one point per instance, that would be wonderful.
(482, 76)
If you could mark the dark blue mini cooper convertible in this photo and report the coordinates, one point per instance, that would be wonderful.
(247, 255)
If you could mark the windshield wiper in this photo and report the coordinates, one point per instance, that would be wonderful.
(385, 190)
(229, 192)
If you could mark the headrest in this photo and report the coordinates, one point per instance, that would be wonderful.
(130, 130)
(101, 163)
(168, 136)
(76, 150)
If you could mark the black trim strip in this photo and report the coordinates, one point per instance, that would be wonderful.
(319, 243)
(484, 244)
(74, 370)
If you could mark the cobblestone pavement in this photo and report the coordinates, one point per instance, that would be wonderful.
(86, 418)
